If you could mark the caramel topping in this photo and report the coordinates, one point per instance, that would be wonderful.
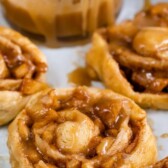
(108, 111)
(79, 77)
(22, 67)
(147, 80)
(155, 46)
(141, 55)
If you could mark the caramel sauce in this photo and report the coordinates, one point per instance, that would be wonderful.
(108, 111)
(79, 77)
(17, 67)
(56, 19)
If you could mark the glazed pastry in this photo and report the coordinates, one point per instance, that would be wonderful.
(22, 71)
(132, 62)
(81, 128)
(55, 22)
(162, 164)
(153, 15)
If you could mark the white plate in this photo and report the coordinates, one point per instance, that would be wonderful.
(64, 60)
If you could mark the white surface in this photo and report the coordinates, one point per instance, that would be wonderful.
(61, 61)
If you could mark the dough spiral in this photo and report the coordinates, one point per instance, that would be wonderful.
(22, 72)
(132, 61)
(81, 128)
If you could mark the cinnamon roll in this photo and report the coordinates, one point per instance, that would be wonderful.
(132, 62)
(81, 128)
(22, 72)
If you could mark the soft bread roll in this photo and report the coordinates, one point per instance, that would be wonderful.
(81, 128)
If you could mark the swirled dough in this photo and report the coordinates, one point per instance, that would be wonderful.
(132, 61)
(81, 128)
(22, 73)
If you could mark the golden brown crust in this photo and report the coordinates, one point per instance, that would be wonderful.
(23, 69)
(81, 127)
(132, 62)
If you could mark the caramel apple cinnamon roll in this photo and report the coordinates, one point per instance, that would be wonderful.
(81, 128)
(132, 62)
(22, 72)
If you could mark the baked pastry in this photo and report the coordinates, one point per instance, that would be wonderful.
(53, 19)
(22, 71)
(81, 127)
(162, 164)
(153, 15)
(132, 62)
